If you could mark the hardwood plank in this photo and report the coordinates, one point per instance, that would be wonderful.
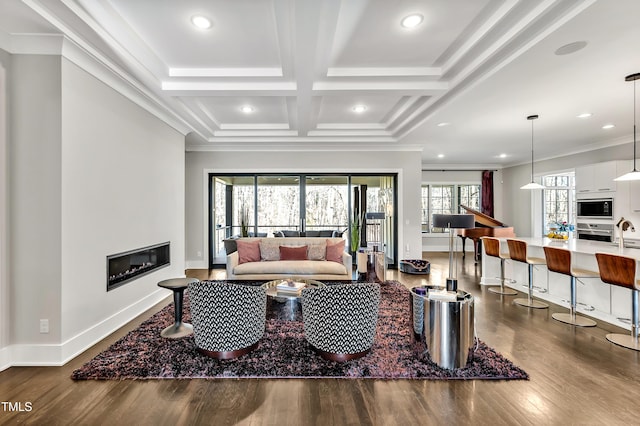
(577, 377)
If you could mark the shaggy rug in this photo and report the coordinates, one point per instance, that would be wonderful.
(284, 353)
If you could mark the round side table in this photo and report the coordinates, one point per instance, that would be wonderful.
(178, 285)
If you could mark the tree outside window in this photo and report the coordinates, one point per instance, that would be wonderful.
(445, 199)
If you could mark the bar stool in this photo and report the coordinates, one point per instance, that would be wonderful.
(621, 271)
(518, 252)
(559, 260)
(492, 248)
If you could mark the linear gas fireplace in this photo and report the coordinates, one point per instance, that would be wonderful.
(125, 267)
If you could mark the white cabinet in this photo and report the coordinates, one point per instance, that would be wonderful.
(634, 196)
(597, 177)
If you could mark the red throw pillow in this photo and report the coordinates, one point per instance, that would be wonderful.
(248, 251)
(293, 253)
(335, 250)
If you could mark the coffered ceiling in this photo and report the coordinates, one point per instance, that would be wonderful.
(458, 86)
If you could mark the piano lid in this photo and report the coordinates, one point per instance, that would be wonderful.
(482, 218)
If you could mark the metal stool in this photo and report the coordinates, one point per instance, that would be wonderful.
(621, 271)
(559, 260)
(518, 252)
(492, 248)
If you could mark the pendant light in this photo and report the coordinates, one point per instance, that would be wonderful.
(532, 184)
(634, 174)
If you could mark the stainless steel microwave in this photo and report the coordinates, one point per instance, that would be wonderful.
(600, 208)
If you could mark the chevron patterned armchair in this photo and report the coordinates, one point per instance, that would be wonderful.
(340, 320)
(228, 319)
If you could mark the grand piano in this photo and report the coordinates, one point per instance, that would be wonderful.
(486, 226)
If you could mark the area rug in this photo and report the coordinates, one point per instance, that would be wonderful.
(284, 353)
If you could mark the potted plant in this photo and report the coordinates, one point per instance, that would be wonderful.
(356, 228)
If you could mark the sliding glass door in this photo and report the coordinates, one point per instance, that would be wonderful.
(268, 205)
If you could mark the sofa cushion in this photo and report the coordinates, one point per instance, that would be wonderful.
(292, 267)
(317, 251)
(270, 250)
(334, 251)
(248, 251)
(293, 253)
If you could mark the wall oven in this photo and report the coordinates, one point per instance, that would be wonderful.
(595, 231)
(600, 208)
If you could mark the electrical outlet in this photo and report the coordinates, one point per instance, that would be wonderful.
(199, 254)
(44, 326)
(406, 247)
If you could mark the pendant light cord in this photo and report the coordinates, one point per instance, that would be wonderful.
(531, 150)
(634, 126)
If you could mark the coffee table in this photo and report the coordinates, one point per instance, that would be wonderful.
(286, 306)
(179, 328)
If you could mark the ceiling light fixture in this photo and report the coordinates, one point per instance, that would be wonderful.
(633, 174)
(502, 155)
(570, 48)
(247, 109)
(608, 126)
(412, 20)
(584, 115)
(532, 184)
(359, 109)
(201, 22)
(443, 124)
(440, 155)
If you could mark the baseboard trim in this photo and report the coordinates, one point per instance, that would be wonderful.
(59, 354)
(196, 264)
(5, 358)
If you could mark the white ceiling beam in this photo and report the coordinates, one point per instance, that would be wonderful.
(225, 72)
(385, 72)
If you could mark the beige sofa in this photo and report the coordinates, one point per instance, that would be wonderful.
(271, 267)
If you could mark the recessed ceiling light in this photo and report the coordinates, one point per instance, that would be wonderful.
(247, 109)
(502, 155)
(608, 126)
(440, 155)
(201, 22)
(359, 109)
(412, 20)
(585, 115)
(567, 49)
(444, 123)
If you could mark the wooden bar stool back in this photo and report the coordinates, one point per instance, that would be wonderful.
(492, 248)
(559, 260)
(621, 271)
(518, 252)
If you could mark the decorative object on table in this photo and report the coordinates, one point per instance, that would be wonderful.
(290, 287)
(560, 230)
(532, 184)
(451, 222)
(178, 328)
(415, 266)
(284, 353)
(634, 174)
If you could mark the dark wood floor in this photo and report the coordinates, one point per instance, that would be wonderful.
(577, 377)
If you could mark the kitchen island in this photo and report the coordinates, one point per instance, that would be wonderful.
(595, 298)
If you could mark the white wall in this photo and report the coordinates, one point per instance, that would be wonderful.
(199, 164)
(4, 209)
(518, 202)
(92, 174)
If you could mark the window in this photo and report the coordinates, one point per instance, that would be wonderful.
(558, 202)
(446, 199)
